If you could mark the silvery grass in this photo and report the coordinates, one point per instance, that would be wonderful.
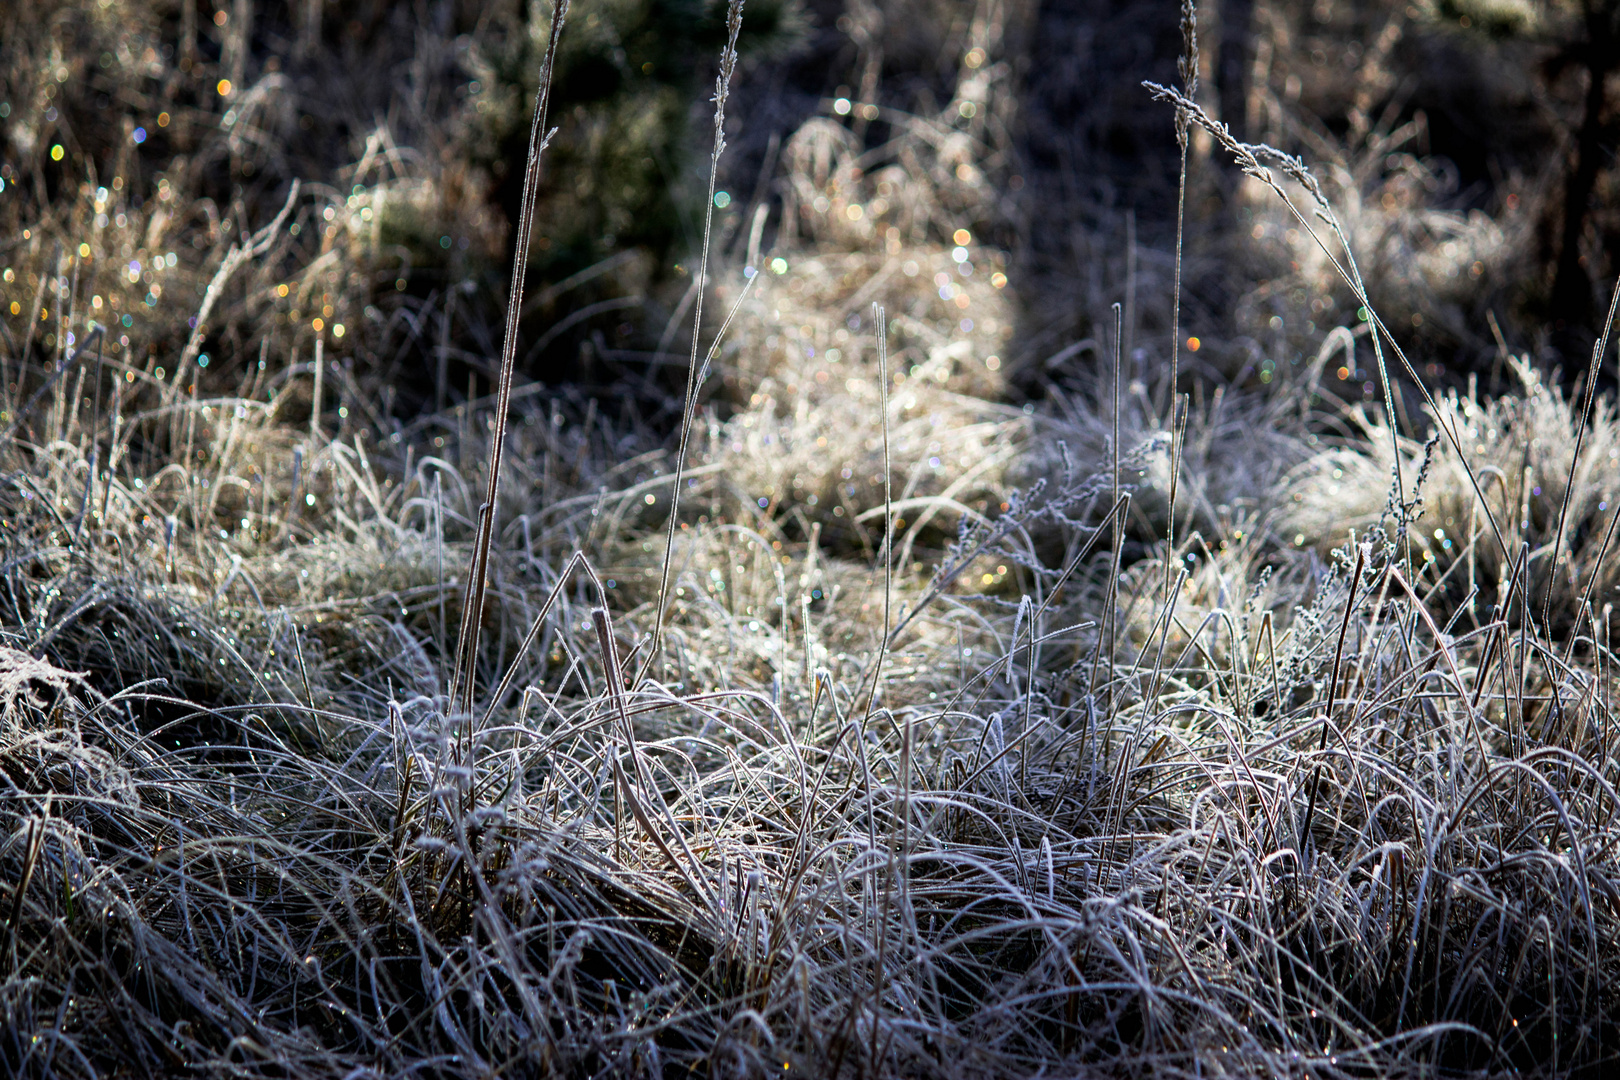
(1236, 807)
(1326, 839)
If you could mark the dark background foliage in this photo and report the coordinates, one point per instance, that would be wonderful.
(1503, 109)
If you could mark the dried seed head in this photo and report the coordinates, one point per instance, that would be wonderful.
(1187, 65)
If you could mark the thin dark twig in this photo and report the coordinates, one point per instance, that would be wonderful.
(1598, 349)
(722, 90)
(472, 611)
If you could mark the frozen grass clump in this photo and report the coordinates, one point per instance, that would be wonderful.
(1225, 472)
(1516, 482)
(817, 460)
(927, 736)
(894, 229)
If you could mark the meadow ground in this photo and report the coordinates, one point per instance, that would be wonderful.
(778, 687)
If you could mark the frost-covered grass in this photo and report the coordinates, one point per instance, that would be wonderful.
(930, 736)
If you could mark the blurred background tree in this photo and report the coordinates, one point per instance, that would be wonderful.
(630, 82)
(1580, 42)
